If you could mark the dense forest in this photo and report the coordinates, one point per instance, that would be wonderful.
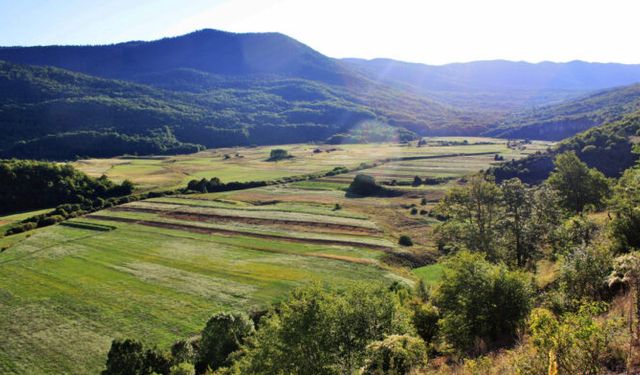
(45, 108)
(29, 185)
(213, 89)
(608, 148)
(559, 121)
(535, 281)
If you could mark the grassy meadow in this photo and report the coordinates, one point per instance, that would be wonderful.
(158, 269)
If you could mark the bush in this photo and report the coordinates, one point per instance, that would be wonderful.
(584, 273)
(580, 343)
(396, 355)
(405, 241)
(425, 319)
(320, 331)
(364, 185)
(223, 335)
(278, 154)
(482, 304)
(183, 368)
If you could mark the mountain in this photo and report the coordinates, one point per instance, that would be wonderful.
(212, 89)
(608, 147)
(208, 88)
(501, 85)
(559, 121)
(209, 51)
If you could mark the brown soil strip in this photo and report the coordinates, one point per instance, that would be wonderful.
(198, 229)
(197, 216)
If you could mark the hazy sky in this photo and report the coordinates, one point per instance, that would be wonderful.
(428, 31)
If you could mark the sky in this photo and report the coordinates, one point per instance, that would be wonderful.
(427, 31)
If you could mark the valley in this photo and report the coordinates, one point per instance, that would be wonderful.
(159, 268)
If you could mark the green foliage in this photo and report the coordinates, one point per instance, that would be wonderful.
(278, 154)
(182, 368)
(323, 332)
(396, 355)
(625, 204)
(608, 148)
(425, 320)
(482, 305)
(474, 212)
(58, 114)
(128, 357)
(559, 121)
(364, 185)
(29, 185)
(405, 240)
(584, 273)
(575, 343)
(577, 184)
(223, 335)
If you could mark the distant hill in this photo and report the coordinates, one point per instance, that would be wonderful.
(212, 88)
(609, 148)
(500, 85)
(51, 113)
(559, 121)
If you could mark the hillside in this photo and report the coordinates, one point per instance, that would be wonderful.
(210, 51)
(53, 113)
(607, 147)
(559, 121)
(500, 85)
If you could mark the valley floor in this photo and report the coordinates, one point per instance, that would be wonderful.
(158, 269)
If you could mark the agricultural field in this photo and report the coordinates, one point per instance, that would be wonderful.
(158, 269)
(250, 163)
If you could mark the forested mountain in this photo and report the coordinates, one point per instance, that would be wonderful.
(209, 51)
(53, 113)
(212, 89)
(606, 147)
(559, 121)
(500, 84)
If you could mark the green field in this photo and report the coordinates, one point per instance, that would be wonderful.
(157, 269)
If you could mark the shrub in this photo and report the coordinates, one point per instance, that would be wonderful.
(278, 154)
(320, 331)
(396, 355)
(405, 240)
(183, 368)
(482, 304)
(223, 334)
(414, 211)
(364, 185)
(425, 319)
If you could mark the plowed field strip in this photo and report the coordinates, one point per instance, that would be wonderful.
(246, 220)
(198, 229)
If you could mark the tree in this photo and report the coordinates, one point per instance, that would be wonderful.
(473, 212)
(625, 205)
(364, 185)
(396, 355)
(223, 335)
(425, 320)
(278, 154)
(323, 332)
(125, 358)
(128, 357)
(482, 305)
(576, 343)
(405, 240)
(626, 271)
(584, 272)
(577, 184)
